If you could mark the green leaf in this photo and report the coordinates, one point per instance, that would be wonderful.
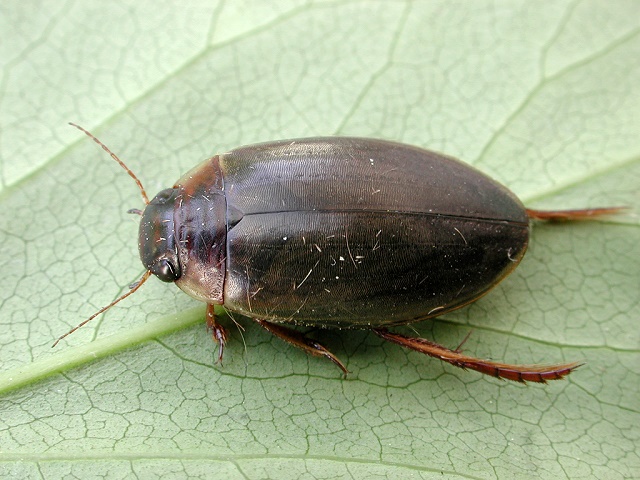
(545, 97)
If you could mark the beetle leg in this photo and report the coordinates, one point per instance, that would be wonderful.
(298, 339)
(518, 373)
(218, 332)
(572, 215)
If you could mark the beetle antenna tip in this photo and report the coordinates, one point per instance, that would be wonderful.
(138, 284)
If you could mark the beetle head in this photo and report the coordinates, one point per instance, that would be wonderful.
(157, 240)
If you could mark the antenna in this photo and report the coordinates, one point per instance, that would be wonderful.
(135, 287)
(145, 198)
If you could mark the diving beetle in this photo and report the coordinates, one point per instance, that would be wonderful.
(339, 232)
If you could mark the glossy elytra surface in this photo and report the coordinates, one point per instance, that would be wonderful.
(346, 232)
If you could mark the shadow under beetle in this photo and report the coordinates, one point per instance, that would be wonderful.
(339, 232)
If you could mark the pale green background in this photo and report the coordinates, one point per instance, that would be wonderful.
(543, 96)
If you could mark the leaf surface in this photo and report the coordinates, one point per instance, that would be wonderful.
(543, 97)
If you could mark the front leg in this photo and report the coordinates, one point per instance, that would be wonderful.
(218, 332)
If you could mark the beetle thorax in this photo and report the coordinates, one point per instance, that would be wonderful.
(200, 223)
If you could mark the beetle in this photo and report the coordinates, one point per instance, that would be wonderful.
(339, 232)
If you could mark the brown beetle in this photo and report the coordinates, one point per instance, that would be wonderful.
(339, 232)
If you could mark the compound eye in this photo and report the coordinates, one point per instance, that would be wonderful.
(165, 270)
